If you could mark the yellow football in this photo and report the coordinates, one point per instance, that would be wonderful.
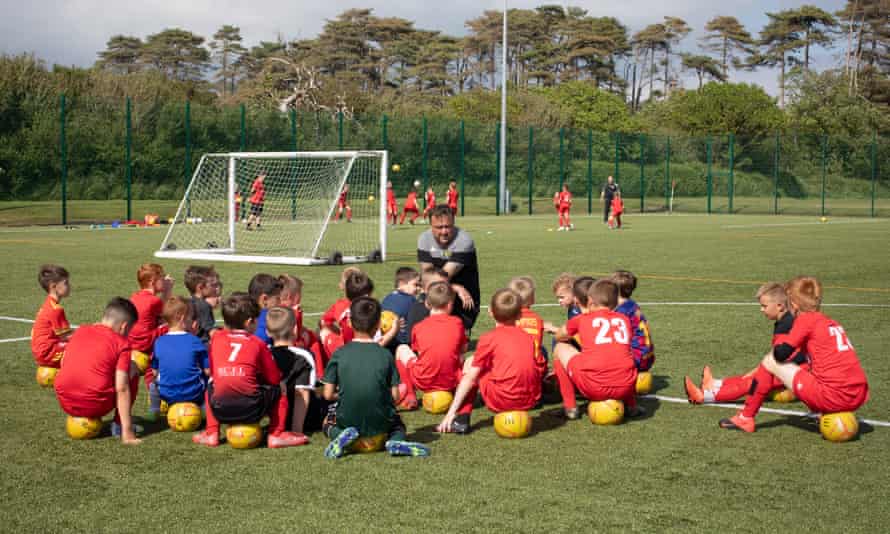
(83, 427)
(515, 424)
(387, 319)
(184, 417)
(46, 376)
(141, 359)
(644, 382)
(365, 444)
(244, 436)
(607, 412)
(396, 167)
(783, 395)
(840, 426)
(370, 198)
(436, 402)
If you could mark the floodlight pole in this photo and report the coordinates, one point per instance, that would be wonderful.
(502, 180)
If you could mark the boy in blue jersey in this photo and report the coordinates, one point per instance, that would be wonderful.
(401, 299)
(265, 290)
(180, 358)
(641, 341)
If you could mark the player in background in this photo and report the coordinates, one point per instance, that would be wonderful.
(392, 208)
(51, 328)
(410, 206)
(835, 381)
(562, 201)
(257, 198)
(343, 204)
(430, 201)
(617, 208)
(451, 197)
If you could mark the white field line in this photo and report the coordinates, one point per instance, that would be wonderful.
(802, 223)
(16, 319)
(10, 340)
(778, 411)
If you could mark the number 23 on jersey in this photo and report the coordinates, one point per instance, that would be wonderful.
(610, 331)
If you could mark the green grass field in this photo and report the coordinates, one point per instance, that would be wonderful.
(674, 470)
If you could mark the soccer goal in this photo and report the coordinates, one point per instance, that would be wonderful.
(297, 223)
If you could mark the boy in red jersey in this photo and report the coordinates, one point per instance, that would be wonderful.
(392, 208)
(51, 330)
(774, 306)
(336, 330)
(430, 201)
(563, 203)
(257, 198)
(530, 321)
(433, 360)
(244, 378)
(97, 374)
(156, 287)
(451, 197)
(410, 206)
(343, 204)
(503, 368)
(835, 381)
(617, 210)
(604, 368)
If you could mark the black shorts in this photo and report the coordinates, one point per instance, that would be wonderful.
(244, 409)
(256, 209)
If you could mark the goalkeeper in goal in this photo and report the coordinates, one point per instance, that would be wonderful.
(257, 198)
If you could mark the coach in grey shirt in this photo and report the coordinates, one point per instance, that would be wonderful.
(447, 247)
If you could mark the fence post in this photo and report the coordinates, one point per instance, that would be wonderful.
(874, 169)
(710, 178)
(497, 192)
(731, 191)
(188, 153)
(426, 151)
(562, 166)
(339, 130)
(776, 178)
(128, 162)
(617, 146)
(589, 171)
(63, 154)
(667, 173)
(242, 144)
(384, 127)
(642, 173)
(531, 163)
(824, 168)
(462, 154)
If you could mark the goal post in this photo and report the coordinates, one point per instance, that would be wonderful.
(297, 217)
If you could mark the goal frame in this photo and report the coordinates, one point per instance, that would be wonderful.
(229, 254)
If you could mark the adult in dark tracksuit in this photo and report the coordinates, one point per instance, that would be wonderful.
(606, 194)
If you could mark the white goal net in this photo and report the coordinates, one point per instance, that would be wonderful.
(288, 218)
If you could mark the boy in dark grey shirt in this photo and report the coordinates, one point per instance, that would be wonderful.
(204, 285)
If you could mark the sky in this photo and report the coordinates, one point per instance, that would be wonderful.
(72, 32)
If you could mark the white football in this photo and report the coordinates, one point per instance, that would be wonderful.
(416, 183)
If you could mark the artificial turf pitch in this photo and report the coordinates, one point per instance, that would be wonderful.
(674, 470)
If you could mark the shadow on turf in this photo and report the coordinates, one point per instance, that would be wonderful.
(810, 424)
(660, 382)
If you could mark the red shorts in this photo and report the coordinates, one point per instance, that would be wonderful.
(93, 410)
(412, 209)
(499, 399)
(392, 208)
(826, 399)
(342, 204)
(593, 390)
(437, 383)
(563, 209)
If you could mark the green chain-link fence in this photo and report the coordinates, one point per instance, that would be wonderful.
(89, 154)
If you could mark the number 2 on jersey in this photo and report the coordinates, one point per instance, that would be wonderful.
(236, 348)
(616, 327)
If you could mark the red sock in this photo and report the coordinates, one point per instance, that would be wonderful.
(764, 382)
(734, 388)
(414, 217)
(566, 386)
(212, 423)
(406, 379)
(278, 416)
